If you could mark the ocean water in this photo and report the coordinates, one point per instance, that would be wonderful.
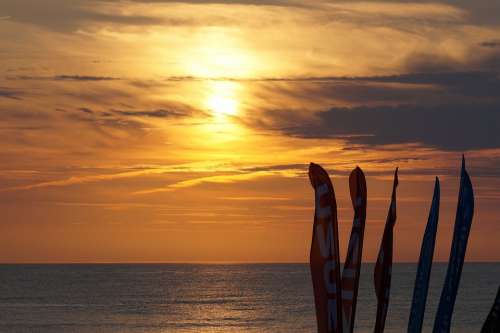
(185, 298)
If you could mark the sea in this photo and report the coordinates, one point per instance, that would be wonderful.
(209, 298)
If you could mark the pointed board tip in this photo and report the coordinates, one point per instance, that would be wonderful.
(310, 173)
(357, 172)
(396, 178)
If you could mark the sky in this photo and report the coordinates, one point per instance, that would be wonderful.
(181, 131)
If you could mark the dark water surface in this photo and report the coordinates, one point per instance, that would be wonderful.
(181, 298)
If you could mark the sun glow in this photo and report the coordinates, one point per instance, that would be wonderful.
(222, 99)
(218, 53)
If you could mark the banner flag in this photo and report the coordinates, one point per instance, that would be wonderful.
(492, 323)
(463, 221)
(424, 266)
(324, 256)
(352, 265)
(383, 267)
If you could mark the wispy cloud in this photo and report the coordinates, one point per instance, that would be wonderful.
(63, 16)
(395, 12)
(65, 77)
(159, 113)
(220, 175)
(218, 179)
(254, 198)
(84, 179)
(226, 2)
(490, 44)
(10, 93)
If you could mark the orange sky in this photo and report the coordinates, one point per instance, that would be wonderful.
(163, 130)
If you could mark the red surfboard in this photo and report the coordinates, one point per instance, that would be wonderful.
(324, 256)
(352, 265)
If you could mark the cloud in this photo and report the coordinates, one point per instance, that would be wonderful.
(62, 16)
(219, 179)
(474, 59)
(281, 3)
(10, 93)
(243, 175)
(84, 78)
(465, 83)
(407, 16)
(449, 110)
(70, 16)
(158, 113)
(307, 94)
(480, 12)
(490, 44)
(86, 110)
(279, 167)
(448, 127)
(255, 198)
(146, 170)
(85, 179)
(81, 15)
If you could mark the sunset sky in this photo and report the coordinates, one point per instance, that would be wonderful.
(173, 131)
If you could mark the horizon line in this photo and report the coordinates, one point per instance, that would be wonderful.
(211, 262)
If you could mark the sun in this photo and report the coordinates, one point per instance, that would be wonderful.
(221, 105)
(222, 99)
